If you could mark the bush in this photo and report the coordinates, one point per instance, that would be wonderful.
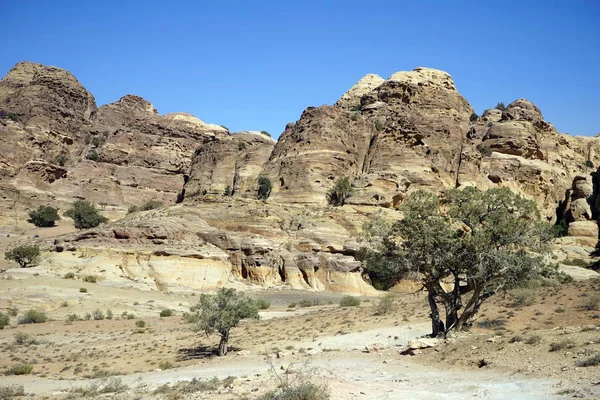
(92, 155)
(474, 117)
(301, 391)
(563, 344)
(19, 369)
(341, 190)
(522, 297)
(228, 191)
(33, 317)
(484, 150)
(349, 301)
(167, 312)
(13, 117)
(264, 187)
(263, 304)
(82, 290)
(24, 339)
(61, 159)
(69, 275)
(589, 163)
(85, 215)
(385, 304)
(593, 361)
(265, 133)
(98, 315)
(241, 146)
(592, 303)
(109, 314)
(23, 255)
(44, 216)
(500, 106)
(140, 323)
(10, 392)
(4, 320)
(164, 365)
(90, 279)
(378, 125)
(147, 206)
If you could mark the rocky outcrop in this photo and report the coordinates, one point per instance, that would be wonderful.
(351, 99)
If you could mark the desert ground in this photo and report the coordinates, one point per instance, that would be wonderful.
(526, 345)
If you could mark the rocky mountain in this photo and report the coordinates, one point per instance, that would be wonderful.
(389, 137)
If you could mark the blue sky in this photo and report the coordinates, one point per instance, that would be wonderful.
(256, 65)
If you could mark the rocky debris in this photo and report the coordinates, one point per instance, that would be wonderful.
(415, 346)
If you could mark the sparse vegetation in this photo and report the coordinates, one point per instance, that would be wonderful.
(97, 315)
(385, 304)
(264, 187)
(592, 303)
(83, 290)
(341, 190)
(300, 391)
(593, 361)
(500, 106)
(221, 312)
(24, 255)
(378, 125)
(69, 275)
(90, 278)
(263, 304)
(10, 392)
(474, 117)
(61, 159)
(265, 133)
(140, 323)
(85, 215)
(228, 191)
(92, 155)
(589, 163)
(563, 344)
(241, 145)
(12, 116)
(33, 317)
(349, 301)
(522, 297)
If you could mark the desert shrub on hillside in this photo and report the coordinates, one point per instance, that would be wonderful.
(300, 391)
(43, 216)
(19, 369)
(263, 304)
(167, 312)
(147, 206)
(90, 279)
(592, 303)
(484, 150)
(85, 215)
(340, 192)
(33, 317)
(24, 255)
(10, 392)
(385, 304)
(228, 191)
(593, 361)
(98, 315)
(522, 297)
(589, 163)
(349, 301)
(474, 117)
(61, 159)
(500, 106)
(93, 156)
(4, 320)
(264, 187)
(69, 275)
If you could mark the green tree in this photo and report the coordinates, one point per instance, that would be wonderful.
(228, 191)
(483, 243)
(44, 216)
(85, 215)
(61, 159)
(221, 312)
(24, 255)
(264, 187)
(341, 190)
(500, 106)
(474, 117)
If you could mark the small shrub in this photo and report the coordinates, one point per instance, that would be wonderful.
(264, 187)
(589, 163)
(69, 275)
(228, 191)
(349, 301)
(341, 190)
(24, 339)
(24, 255)
(13, 311)
(593, 361)
(378, 125)
(73, 317)
(140, 323)
(491, 323)
(385, 304)
(90, 279)
(109, 314)
(33, 317)
(190, 318)
(577, 262)
(61, 159)
(98, 315)
(4, 320)
(19, 369)
(83, 290)
(10, 392)
(535, 339)
(484, 150)
(500, 106)
(563, 344)
(292, 305)
(164, 365)
(87, 316)
(265, 133)
(43, 216)
(241, 146)
(92, 155)
(167, 312)
(357, 107)
(474, 117)
(522, 297)
(12, 116)
(300, 391)
(592, 303)
(263, 304)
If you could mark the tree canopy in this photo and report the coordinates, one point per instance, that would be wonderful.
(341, 190)
(221, 312)
(85, 215)
(24, 255)
(43, 216)
(476, 243)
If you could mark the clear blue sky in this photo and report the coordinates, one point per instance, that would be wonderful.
(256, 65)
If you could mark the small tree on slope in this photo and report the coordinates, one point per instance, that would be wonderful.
(223, 311)
(485, 242)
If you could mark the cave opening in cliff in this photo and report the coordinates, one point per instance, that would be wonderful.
(304, 276)
(244, 272)
(282, 273)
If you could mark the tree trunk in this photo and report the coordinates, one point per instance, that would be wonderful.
(453, 303)
(468, 312)
(437, 326)
(223, 343)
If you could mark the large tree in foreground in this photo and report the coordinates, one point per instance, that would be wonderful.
(462, 253)
(223, 311)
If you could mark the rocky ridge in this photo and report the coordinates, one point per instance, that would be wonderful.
(389, 137)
